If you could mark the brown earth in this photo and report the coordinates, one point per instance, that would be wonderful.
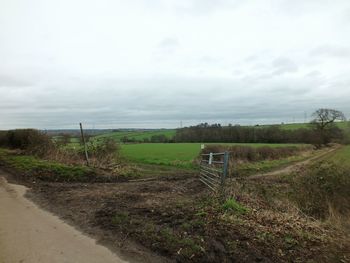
(175, 218)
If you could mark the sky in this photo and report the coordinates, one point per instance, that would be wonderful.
(160, 63)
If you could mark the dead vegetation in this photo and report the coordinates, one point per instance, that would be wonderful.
(322, 191)
(255, 154)
(105, 154)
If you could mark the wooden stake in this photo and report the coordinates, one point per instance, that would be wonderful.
(85, 148)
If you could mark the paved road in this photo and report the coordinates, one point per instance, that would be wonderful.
(29, 234)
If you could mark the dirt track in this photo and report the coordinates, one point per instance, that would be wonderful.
(29, 234)
(294, 167)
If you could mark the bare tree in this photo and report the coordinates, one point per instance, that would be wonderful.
(325, 117)
(323, 122)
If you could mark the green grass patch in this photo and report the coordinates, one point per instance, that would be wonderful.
(44, 169)
(231, 205)
(121, 218)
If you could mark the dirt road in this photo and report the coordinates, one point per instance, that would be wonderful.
(294, 167)
(30, 234)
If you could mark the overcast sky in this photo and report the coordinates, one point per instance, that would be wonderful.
(154, 63)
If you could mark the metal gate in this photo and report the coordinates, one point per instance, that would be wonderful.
(214, 169)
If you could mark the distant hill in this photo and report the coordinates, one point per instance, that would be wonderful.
(295, 126)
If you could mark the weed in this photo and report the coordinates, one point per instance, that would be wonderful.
(186, 226)
(232, 205)
(290, 241)
(190, 247)
(201, 213)
(121, 218)
(265, 236)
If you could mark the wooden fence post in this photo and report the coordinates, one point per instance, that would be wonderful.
(85, 148)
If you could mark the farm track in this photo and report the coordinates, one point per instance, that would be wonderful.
(294, 167)
(30, 234)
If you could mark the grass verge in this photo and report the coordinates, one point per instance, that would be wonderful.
(35, 168)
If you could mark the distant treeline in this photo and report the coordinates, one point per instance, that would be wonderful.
(256, 134)
(159, 138)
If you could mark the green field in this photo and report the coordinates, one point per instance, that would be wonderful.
(294, 126)
(177, 154)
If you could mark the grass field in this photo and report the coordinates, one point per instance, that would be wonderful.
(177, 154)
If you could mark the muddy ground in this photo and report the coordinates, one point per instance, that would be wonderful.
(176, 218)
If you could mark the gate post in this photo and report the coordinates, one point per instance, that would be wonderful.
(225, 169)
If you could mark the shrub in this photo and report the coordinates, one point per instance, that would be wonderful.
(30, 140)
(3, 138)
(252, 154)
(103, 153)
(161, 138)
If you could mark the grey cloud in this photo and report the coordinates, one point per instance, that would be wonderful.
(13, 81)
(284, 65)
(264, 70)
(251, 58)
(169, 43)
(346, 15)
(205, 7)
(166, 101)
(331, 51)
(313, 74)
(209, 60)
(119, 69)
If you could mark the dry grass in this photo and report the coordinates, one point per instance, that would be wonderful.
(255, 154)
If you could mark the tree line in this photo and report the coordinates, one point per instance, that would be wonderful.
(322, 131)
(241, 134)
